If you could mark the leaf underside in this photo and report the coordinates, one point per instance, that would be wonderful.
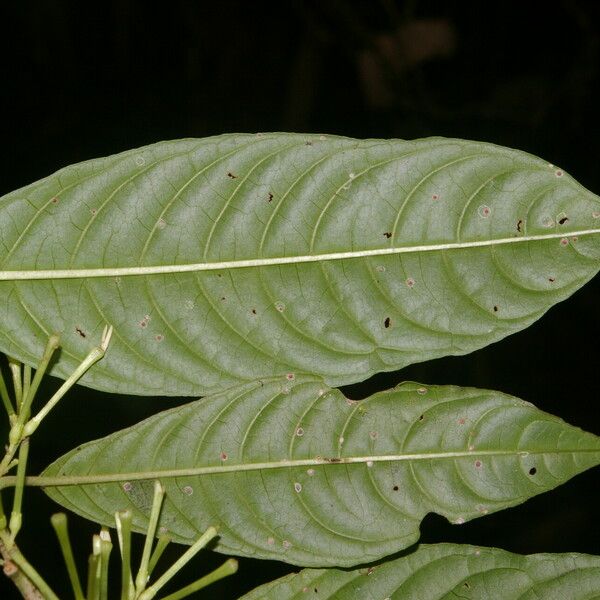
(247, 198)
(448, 571)
(303, 475)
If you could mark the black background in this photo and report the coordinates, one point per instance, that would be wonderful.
(81, 80)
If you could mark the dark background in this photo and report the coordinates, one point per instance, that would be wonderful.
(81, 80)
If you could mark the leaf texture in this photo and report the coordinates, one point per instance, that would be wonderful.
(233, 258)
(303, 475)
(446, 571)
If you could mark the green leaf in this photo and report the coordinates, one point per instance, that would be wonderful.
(447, 571)
(306, 476)
(228, 259)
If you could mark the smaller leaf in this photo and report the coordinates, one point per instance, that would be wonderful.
(304, 475)
(447, 571)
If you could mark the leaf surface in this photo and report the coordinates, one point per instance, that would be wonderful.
(229, 259)
(303, 475)
(447, 571)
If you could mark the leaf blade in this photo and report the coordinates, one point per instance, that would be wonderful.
(308, 477)
(447, 570)
(379, 303)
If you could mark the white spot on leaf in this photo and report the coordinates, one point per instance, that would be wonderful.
(484, 211)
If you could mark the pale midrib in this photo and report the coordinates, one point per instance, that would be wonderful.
(283, 260)
(67, 480)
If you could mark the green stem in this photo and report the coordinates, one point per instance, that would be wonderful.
(123, 521)
(142, 577)
(94, 566)
(51, 347)
(227, 568)
(16, 515)
(3, 522)
(60, 525)
(33, 576)
(15, 369)
(105, 550)
(93, 357)
(161, 544)
(200, 543)
(5, 397)
(26, 383)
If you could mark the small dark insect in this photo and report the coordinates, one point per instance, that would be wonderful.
(388, 234)
(387, 322)
(519, 225)
(270, 197)
(231, 175)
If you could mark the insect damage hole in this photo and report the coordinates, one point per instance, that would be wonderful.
(387, 234)
(80, 332)
(532, 471)
(231, 175)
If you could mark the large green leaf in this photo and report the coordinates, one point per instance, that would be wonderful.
(303, 475)
(448, 571)
(261, 255)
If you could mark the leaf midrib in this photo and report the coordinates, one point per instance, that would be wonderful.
(66, 480)
(21, 275)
